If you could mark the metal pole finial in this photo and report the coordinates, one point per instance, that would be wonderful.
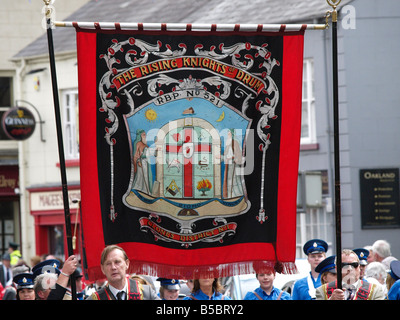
(333, 4)
(48, 8)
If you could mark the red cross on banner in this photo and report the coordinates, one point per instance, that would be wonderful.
(189, 147)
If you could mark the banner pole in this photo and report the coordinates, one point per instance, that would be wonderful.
(333, 4)
(67, 214)
(191, 26)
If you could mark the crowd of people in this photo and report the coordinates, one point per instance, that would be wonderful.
(369, 273)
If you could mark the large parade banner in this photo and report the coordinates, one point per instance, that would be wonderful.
(189, 148)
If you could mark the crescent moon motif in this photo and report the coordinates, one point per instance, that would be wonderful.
(221, 117)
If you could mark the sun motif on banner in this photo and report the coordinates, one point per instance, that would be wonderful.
(150, 115)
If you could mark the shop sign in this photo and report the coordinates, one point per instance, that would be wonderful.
(53, 200)
(8, 180)
(18, 123)
(380, 205)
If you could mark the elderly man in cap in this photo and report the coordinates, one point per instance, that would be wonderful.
(59, 290)
(45, 275)
(304, 289)
(352, 287)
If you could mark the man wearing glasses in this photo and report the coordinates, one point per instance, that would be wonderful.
(352, 287)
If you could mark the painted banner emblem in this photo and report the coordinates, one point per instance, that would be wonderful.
(196, 138)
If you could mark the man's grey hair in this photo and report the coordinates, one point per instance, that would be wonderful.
(381, 248)
(45, 281)
(375, 270)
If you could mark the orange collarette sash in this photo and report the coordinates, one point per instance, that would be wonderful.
(134, 292)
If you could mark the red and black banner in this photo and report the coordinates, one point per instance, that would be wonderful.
(189, 146)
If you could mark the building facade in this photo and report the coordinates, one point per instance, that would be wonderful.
(368, 117)
(20, 23)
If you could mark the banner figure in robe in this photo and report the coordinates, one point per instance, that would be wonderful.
(189, 146)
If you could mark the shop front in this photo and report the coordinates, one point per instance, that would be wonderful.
(9, 207)
(47, 208)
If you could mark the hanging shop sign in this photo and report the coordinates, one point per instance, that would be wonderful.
(18, 123)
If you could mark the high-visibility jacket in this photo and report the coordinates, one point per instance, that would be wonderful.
(14, 257)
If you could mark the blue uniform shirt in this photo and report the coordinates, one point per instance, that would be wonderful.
(273, 296)
(394, 292)
(300, 288)
(200, 295)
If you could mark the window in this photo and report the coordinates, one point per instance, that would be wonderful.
(56, 240)
(7, 224)
(71, 133)
(315, 219)
(5, 101)
(308, 134)
(315, 223)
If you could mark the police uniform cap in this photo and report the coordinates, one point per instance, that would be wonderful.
(362, 255)
(46, 266)
(13, 245)
(170, 284)
(395, 269)
(328, 264)
(24, 280)
(315, 246)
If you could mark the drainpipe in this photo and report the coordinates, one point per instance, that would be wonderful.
(27, 236)
(329, 131)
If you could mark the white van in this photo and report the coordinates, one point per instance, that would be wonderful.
(238, 286)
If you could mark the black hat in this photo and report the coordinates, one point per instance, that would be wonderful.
(315, 246)
(24, 280)
(327, 264)
(170, 284)
(46, 266)
(13, 245)
(395, 269)
(362, 255)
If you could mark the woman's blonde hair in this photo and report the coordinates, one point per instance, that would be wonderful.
(389, 281)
